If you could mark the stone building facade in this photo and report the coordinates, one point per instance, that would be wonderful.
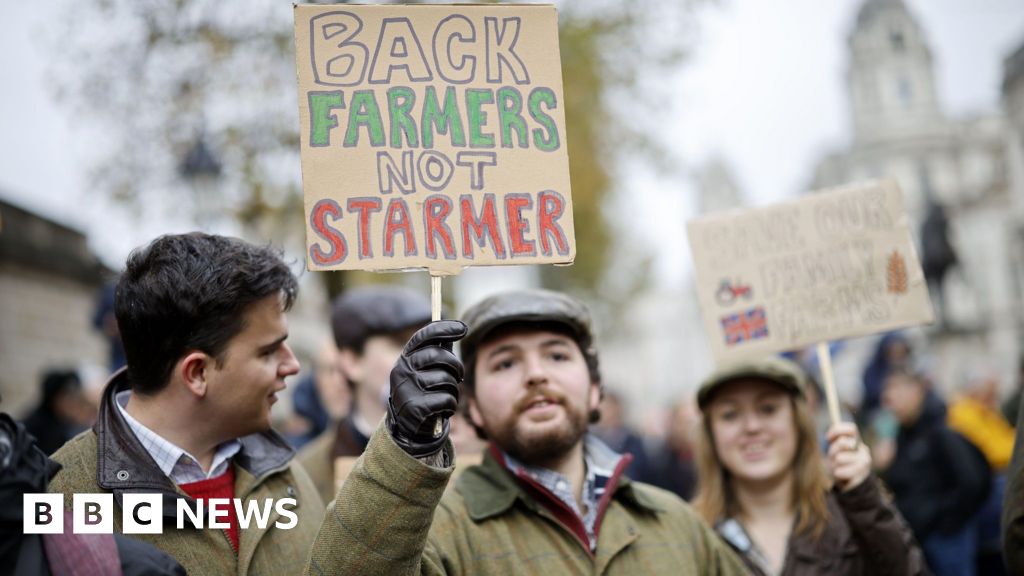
(49, 284)
(962, 165)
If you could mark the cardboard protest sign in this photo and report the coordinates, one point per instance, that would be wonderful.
(432, 137)
(834, 264)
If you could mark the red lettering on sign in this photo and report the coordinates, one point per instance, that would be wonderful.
(517, 226)
(318, 222)
(436, 209)
(365, 207)
(474, 228)
(551, 206)
(398, 221)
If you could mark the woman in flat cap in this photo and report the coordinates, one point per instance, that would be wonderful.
(774, 498)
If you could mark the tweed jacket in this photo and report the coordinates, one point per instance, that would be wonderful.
(393, 516)
(109, 459)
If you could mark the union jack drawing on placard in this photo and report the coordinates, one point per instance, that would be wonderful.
(744, 326)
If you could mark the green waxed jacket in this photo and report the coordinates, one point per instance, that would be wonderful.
(390, 518)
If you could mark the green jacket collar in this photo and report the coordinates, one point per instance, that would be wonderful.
(490, 490)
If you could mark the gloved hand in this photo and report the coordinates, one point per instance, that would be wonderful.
(425, 388)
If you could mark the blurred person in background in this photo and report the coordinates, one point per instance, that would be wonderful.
(321, 399)
(893, 352)
(764, 486)
(975, 414)
(203, 320)
(63, 410)
(469, 446)
(619, 436)
(333, 393)
(671, 464)
(105, 321)
(370, 325)
(939, 480)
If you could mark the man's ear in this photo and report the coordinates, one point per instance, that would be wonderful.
(595, 395)
(474, 413)
(351, 365)
(193, 370)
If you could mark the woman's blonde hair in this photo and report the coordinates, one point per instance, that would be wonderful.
(716, 500)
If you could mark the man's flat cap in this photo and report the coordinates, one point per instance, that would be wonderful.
(524, 306)
(369, 311)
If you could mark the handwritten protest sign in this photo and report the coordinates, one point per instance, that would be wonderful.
(834, 264)
(432, 137)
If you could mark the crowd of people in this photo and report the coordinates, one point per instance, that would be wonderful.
(508, 456)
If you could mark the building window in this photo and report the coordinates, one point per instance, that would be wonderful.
(904, 91)
(896, 40)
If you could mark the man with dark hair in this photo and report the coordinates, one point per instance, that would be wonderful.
(549, 498)
(203, 322)
(370, 325)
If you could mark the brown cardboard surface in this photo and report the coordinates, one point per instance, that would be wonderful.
(385, 188)
(833, 264)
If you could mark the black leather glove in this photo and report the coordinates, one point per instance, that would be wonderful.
(425, 388)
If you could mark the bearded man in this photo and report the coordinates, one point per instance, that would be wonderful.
(548, 498)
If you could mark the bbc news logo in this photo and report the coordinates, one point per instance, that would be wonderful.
(143, 513)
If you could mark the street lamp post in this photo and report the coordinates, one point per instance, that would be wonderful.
(201, 170)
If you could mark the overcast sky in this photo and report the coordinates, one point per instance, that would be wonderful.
(764, 91)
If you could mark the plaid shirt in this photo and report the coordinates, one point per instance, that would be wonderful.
(600, 462)
(180, 466)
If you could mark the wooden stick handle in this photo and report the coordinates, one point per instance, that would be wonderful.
(828, 382)
(435, 315)
(435, 298)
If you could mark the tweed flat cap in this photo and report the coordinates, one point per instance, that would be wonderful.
(774, 369)
(524, 306)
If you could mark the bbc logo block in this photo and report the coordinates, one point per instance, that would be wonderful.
(92, 514)
(43, 514)
(143, 514)
(87, 511)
